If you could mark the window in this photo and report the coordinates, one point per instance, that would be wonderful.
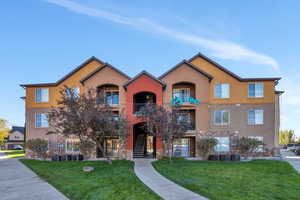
(221, 118)
(255, 117)
(260, 148)
(184, 117)
(223, 144)
(112, 147)
(255, 90)
(222, 90)
(181, 147)
(41, 95)
(183, 94)
(41, 120)
(115, 118)
(76, 92)
(112, 97)
(72, 145)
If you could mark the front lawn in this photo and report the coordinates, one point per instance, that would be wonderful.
(106, 182)
(14, 153)
(259, 180)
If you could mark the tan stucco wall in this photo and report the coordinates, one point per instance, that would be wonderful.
(239, 121)
(185, 73)
(238, 90)
(108, 76)
(31, 130)
(277, 120)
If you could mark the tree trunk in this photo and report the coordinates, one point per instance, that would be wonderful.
(170, 151)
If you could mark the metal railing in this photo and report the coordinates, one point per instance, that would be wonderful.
(138, 106)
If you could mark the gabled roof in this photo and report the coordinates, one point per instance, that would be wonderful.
(279, 92)
(20, 129)
(99, 69)
(210, 77)
(66, 76)
(231, 73)
(144, 73)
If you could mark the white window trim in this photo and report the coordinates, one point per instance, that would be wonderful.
(179, 89)
(221, 91)
(218, 143)
(112, 90)
(73, 89)
(66, 146)
(260, 146)
(36, 118)
(36, 95)
(263, 90)
(255, 124)
(222, 124)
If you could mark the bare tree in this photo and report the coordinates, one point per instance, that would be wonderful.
(84, 117)
(163, 124)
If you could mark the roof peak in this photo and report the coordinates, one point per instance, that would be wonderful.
(99, 69)
(210, 77)
(199, 54)
(67, 75)
(144, 72)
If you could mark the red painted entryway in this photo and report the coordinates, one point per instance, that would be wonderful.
(142, 89)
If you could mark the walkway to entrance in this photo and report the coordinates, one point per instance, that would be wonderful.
(160, 185)
(291, 158)
(19, 182)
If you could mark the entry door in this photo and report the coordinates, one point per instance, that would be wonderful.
(181, 147)
(149, 145)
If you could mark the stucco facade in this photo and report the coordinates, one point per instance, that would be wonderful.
(194, 79)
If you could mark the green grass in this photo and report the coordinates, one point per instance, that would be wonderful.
(106, 182)
(259, 180)
(14, 153)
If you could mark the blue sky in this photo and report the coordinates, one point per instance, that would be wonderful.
(42, 40)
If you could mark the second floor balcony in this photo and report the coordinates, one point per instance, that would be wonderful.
(141, 99)
(108, 94)
(183, 94)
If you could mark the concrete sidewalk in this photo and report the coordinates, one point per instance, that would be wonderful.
(160, 185)
(291, 158)
(18, 182)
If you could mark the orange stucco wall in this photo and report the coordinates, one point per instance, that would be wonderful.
(238, 90)
(72, 82)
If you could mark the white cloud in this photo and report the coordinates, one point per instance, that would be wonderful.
(221, 49)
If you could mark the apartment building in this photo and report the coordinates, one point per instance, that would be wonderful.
(211, 98)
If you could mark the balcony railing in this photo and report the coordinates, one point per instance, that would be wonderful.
(188, 125)
(183, 100)
(138, 106)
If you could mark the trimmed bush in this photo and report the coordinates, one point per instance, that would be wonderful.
(38, 146)
(206, 146)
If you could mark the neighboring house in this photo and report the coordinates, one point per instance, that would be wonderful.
(15, 138)
(211, 99)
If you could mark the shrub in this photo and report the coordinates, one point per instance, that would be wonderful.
(206, 146)
(173, 158)
(38, 146)
(86, 148)
(247, 146)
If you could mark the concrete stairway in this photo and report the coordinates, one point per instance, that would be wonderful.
(138, 151)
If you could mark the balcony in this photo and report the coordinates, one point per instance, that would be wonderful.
(108, 95)
(188, 120)
(142, 99)
(183, 94)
